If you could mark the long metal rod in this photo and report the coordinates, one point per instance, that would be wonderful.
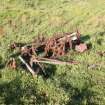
(72, 36)
(53, 61)
(28, 67)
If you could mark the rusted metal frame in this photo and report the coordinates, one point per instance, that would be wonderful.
(11, 63)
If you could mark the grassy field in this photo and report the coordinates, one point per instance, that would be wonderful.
(21, 20)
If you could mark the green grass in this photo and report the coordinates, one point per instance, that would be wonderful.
(21, 20)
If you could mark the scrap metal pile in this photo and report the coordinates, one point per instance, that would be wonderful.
(44, 50)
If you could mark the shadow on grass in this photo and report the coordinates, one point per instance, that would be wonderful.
(46, 71)
(100, 41)
(49, 71)
(85, 38)
(77, 96)
(2, 65)
(13, 93)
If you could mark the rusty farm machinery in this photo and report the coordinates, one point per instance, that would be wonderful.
(44, 50)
